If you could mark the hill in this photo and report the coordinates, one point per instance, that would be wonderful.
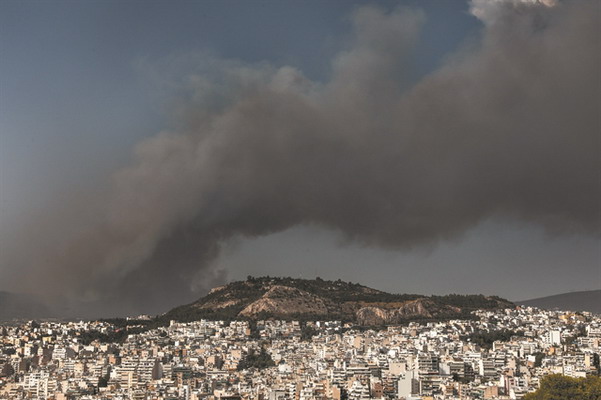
(589, 300)
(304, 299)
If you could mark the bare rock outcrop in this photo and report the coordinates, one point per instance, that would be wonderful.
(371, 315)
(284, 300)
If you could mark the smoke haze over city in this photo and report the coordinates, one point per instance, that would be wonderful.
(382, 148)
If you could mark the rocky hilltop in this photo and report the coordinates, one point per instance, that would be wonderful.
(304, 299)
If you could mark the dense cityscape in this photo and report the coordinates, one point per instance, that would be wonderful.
(500, 354)
(410, 187)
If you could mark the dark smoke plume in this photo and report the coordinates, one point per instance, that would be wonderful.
(509, 128)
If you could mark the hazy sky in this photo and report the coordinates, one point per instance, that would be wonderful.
(164, 147)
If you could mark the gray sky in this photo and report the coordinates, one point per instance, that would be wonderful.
(413, 146)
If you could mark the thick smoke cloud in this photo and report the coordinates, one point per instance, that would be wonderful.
(506, 128)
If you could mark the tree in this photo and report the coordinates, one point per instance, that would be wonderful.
(256, 360)
(486, 339)
(7, 370)
(560, 387)
(538, 359)
(103, 381)
(307, 332)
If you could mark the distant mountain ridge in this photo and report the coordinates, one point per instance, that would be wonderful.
(588, 300)
(304, 299)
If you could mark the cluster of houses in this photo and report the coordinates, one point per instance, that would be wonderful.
(497, 355)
